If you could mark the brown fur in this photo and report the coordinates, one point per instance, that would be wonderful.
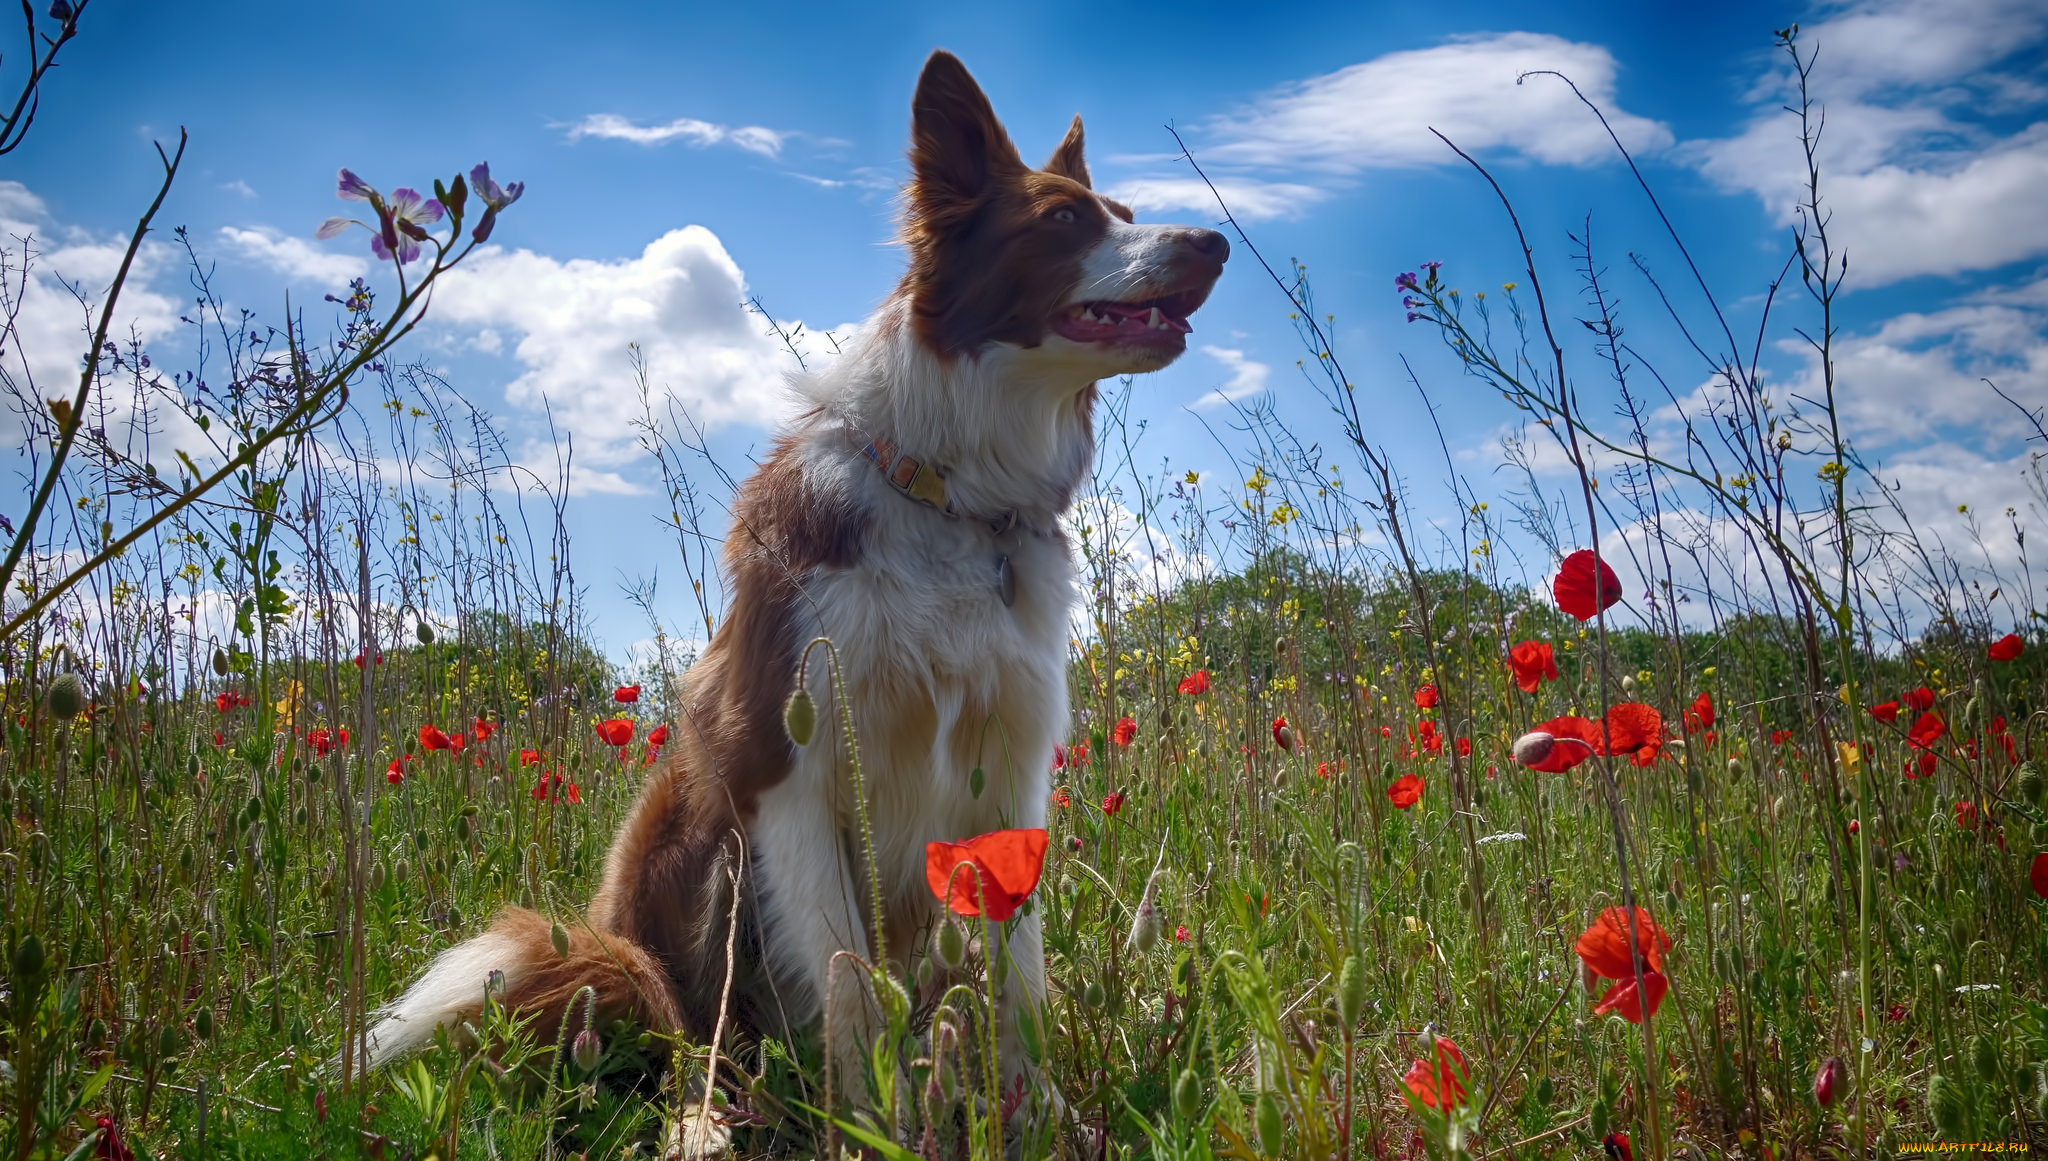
(989, 259)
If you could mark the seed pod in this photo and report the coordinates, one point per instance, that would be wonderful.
(1545, 1090)
(192, 765)
(425, 632)
(559, 937)
(1093, 996)
(1734, 767)
(202, 1023)
(1351, 992)
(1187, 1095)
(462, 828)
(976, 781)
(585, 1051)
(1945, 1106)
(67, 696)
(220, 661)
(1271, 1130)
(800, 716)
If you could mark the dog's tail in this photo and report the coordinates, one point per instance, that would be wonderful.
(538, 981)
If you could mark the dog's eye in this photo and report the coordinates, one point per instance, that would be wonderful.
(1063, 215)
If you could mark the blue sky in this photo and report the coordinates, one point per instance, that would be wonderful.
(677, 156)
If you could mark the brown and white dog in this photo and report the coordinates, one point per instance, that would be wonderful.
(911, 515)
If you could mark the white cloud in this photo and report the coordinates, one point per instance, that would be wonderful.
(681, 300)
(1920, 374)
(1247, 377)
(1249, 199)
(689, 130)
(52, 328)
(1379, 113)
(238, 186)
(1915, 182)
(296, 258)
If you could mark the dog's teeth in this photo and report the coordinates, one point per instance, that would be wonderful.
(1153, 320)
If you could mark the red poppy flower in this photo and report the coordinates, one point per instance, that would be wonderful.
(1558, 745)
(615, 731)
(1426, 697)
(1061, 798)
(1125, 732)
(1921, 699)
(1325, 769)
(1113, 802)
(1780, 737)
(223, 702)
(395, 773)
(1427, 738)
(529, 757)
(1533, 663)
(574, 794)
(1616, 1146)
(1180, 932)
(1579, 590)
(219, 739)
(1701, 715)
(1635, 730)
(1405, 792)
(999, 869)
(481, 729)
(1604, 949)
(432, 738)
(658, 736)
(1926, 731)
(1966, 815)
(626, 694)
(1195, 683)
(1886, 712)
(1282, 736)
(1926, 764)
(1077, 755)
(2037, 876)
(1386, 731)
(458, 743)
(2007, 647)
(1442, 1087)
(321, 741)
(1059, 756)
(1464, 747)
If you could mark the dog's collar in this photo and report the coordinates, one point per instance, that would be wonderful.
(926, 484)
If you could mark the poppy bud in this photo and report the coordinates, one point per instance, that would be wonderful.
(800, 716)
(202, 1023)
(28, 961)
(1984, 1058)
(1093, 996)
(67, 696)
(586, 1050)
(1351, 991)
(425, 633)
(220, 661)
(61, 10)
(1145, 928)
(559, 937)
(1945, 1105)
(1628, 685)
(951, 944)
(1187, 1095)
(2029, 783)
(1734, 767)
(1271, 1130)
(494, 984)
(1827, 1080)
(1532, 748)
(1855, 827)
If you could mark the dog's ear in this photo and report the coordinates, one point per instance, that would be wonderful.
(956, 144)
(1067, 160)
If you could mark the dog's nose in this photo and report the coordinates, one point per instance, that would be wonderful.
(1209, 244)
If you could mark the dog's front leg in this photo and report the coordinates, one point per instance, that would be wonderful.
(812, 912)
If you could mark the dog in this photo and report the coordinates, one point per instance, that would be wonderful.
(910, 516)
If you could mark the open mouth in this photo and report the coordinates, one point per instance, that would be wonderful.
(1153, 321)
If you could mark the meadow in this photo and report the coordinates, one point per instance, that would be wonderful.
(1374, 837)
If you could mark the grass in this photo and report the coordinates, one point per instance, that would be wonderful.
(1251, 943)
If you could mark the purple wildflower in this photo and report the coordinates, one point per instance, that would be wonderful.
(1401, 281)
(495, 197)
(407, 214)
(1432, 267)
